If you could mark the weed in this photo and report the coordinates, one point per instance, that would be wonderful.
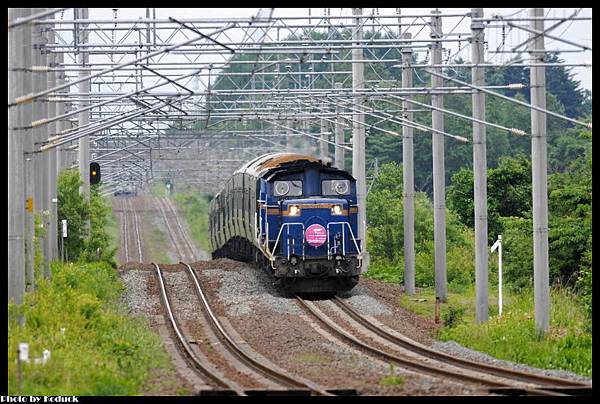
(393, 379)
(453, 316)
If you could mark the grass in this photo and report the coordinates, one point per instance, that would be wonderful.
(158, 189)
(95, 349)
(423, 302)
(314, 359)
(158, 243)
(393, 379)
(112, 229)
(567, 345)
(195, 208)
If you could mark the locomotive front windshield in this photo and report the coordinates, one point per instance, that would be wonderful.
(287, 188)
(335, 187)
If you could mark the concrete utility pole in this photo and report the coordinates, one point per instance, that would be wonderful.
(62, 159)
(43, 159)
(479, 170)
(28, 138)
(339, 134)
(51, 230)
(84, 117)
(439, 178)
(358, 136)
(539, 176)
(408, 182)
(324, 147)
(39, 112)
(16, 178)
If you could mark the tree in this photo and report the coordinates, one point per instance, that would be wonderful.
(83, 243)
(508, 193)
(73, 208)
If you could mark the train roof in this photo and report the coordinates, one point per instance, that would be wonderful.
(273, 161)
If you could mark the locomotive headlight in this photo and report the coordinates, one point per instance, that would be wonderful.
(336, 210)
(294, 210)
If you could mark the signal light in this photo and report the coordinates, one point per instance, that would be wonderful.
(94, 173)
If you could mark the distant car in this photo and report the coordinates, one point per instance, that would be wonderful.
(125, 192)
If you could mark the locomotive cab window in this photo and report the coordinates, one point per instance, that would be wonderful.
(335, 187)
(287, 188)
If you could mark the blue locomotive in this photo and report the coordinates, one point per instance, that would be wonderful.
(294, 215)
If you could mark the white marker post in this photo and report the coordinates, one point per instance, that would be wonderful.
(62, 240)
(498, 245)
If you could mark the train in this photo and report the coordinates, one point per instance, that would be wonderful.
(293, 215)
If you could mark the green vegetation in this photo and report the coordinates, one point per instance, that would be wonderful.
(195, 207)
(393, 379)
(568, 345)
(78, 316)
(86, 244)
(158, 189)
(513, 337)
(386, 235)
(314, 359)
(158, 243)
(95, 349)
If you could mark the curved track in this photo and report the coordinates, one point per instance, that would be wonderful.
(441, 366)
(185, 347)
(285, 380)
(423, 350)
(131, 239)
(178, 236)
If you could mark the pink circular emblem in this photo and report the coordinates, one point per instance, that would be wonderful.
(315, 235)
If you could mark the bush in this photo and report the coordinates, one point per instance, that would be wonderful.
(453, 316)
(95, 349)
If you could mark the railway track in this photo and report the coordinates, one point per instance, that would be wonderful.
(131, 239)
(407, 343)
(290, 384)
(423, 359)
(177, 234)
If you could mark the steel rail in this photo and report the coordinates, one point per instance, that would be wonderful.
(125, 230)
(241, 354)
(137, 229)
(183, 234)
(407, 362)
(168, 225)
(191, 355)
(407, 343)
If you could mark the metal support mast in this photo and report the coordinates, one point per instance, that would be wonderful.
(62, 159)
(28, 140)
(358, 136)
(51, 172)
(439, 178)
(84, 117)
(16, 178)
(539, 175)
(408, 182)
(479, 170)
